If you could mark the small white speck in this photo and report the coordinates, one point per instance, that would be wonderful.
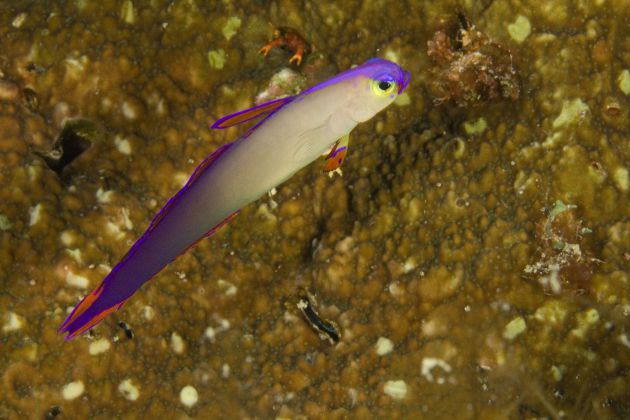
(623, 339)
(225, 324)
(229, 289)
(225, 371)
(395, 389)
(99, 346)
(34, 214)
(114, 231)
(177, 343)
(428, 363)
(19, 20)
(75, 253)
(148, 313)
(72, 390)
(129, 390)
(384, 346)
(210, 334)
(122, 145)
(104, 197)
(467, 308)
(13, 322)
(409, 264)
(129, 111)
(67, 238)
(188, 396)
(396, 289)
(76, 280)
(126, 220)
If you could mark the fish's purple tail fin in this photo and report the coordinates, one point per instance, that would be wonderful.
(86, 314)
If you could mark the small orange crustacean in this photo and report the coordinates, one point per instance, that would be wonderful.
(289, 39)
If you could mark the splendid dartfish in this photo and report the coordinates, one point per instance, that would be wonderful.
(291, 133)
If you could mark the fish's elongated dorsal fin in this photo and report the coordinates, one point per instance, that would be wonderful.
(251, 113)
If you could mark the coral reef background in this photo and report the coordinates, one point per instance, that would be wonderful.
(474, 257)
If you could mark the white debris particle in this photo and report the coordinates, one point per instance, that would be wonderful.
(409, 264)
(520, 29)
(623, 339)
(13, 322)
(210, 333)
(76, 280)
(571, 111)
(122, 145)
(129, 390)
(428, 363)
(621, 179)
(384, 346)
(395, 389)
(514, 328)
(177, 343)
(99, 346)
(229, 289)
(67, 237)
(354, 396)
(19, 20)
(129, 110)
(34, 213)
(148, 313)
(126, 220)
(114, 231)
(75, 253)
(225, 371)
(225, 324)
(72, 390)
(188, 396)
(396, 289)
(104, 197)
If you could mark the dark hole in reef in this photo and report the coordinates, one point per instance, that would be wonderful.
(74, 139)
(54, 411)
(29, 99)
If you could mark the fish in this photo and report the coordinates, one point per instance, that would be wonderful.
(289, 134)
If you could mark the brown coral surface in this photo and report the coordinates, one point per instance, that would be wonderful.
(419, 253)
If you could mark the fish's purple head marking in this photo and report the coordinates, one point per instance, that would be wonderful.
(369, 87)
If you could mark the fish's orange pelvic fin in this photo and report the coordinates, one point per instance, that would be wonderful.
(337, 154)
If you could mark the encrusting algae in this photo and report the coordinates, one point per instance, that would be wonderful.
(425, 240)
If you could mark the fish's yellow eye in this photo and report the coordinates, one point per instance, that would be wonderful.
(383, 87)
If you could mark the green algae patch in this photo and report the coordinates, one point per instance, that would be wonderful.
(217, 58)
(231, 27)
(623, 81)
(514, 328)
(475, 128)
(5, 224)
(520, 29)
(571, 112)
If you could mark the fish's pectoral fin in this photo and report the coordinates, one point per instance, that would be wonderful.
(337, 154)
(254, 112)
